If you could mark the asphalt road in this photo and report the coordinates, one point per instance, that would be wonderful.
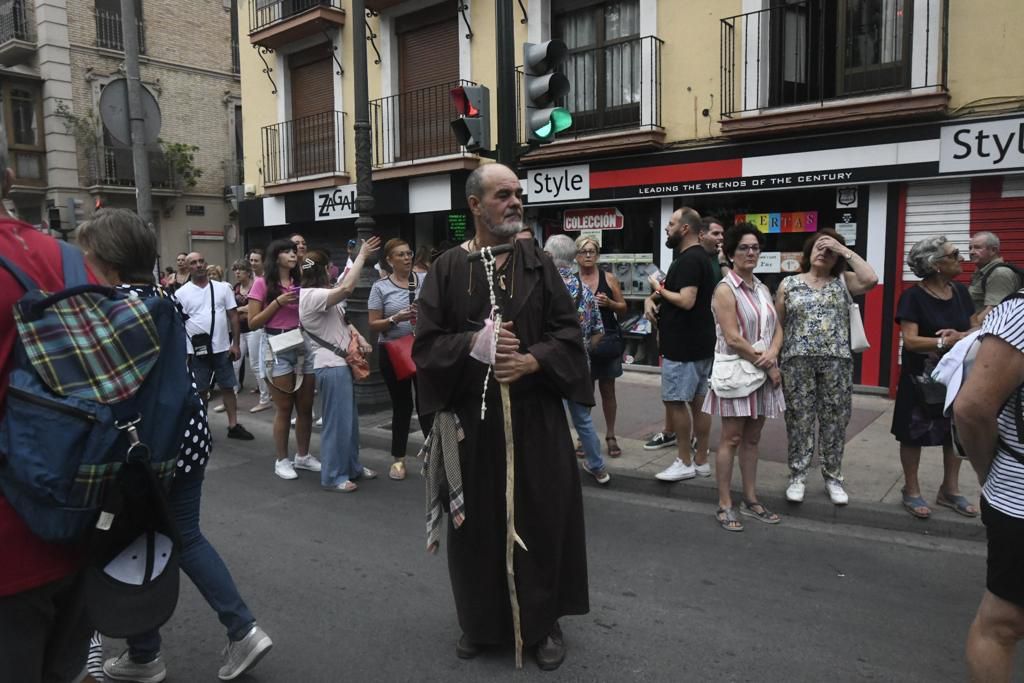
(343, 585)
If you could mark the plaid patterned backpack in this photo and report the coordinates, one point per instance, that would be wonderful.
(99, 378)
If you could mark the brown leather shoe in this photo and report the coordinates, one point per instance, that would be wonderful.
(466, 649)
(550, 652)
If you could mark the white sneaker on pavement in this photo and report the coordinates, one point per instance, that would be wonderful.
(703, 470)
(306, 462)
(122, 668)
(836, 492)
(795, 492)
(601, 475)
(677, 471)
(283, 468)
(260, 407)
(242, 655)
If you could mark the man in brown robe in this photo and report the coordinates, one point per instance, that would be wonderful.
(540, 356)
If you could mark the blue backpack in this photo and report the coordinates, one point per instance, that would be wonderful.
(99, 378)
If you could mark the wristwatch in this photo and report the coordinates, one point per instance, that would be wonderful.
(941, 343)
(391, 319)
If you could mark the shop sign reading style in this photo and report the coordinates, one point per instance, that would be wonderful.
(982, 146)
(592, 219)
(558, 184)
(335, 203)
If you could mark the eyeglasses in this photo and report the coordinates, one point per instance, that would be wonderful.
(751, 248)
(587, 252)
(955, 255)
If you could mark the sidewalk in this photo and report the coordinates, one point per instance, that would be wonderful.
(871, 465)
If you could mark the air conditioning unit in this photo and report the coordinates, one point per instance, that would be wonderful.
(250, 190)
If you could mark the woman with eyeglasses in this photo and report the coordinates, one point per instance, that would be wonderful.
(392, 317)
(746, 326)
(274, 308)
(606, 355)
(933, 316)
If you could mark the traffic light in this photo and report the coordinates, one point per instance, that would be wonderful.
(544, 88)
(473, 127)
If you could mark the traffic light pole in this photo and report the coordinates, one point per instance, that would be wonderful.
(504, 25)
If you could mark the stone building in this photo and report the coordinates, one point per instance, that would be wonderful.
(56, 59)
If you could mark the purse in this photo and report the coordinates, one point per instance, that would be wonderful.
(356, 360)
(610, 346)
(858, 338)
(930, 395)
(286, 341)
(400, 350)
(202, 343)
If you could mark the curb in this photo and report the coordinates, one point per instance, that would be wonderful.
(375, 433)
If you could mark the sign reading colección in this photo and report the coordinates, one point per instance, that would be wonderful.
(592, 219)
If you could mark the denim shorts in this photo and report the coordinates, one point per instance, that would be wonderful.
(284, 363)
(684, 380)
(214, 368)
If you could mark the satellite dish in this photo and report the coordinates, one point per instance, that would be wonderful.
(114, 113)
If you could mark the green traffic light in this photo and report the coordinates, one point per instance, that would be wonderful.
(559, 120)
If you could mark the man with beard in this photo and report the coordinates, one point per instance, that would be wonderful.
(540, 356)
(686, 336)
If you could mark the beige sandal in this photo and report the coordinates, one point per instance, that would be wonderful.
(397, 471)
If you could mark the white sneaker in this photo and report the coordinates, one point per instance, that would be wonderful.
(677, 471)
(836, 492)
(260, 407)
(122, 668)
(703, 470)
(795, 492)
(319, 424)
(242, 655)
(283, 468)
(306, 462)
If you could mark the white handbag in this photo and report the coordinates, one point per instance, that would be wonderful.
(292, 340)
(286, 341)
(858, 338)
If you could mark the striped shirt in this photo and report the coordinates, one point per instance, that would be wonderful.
(1004, 488)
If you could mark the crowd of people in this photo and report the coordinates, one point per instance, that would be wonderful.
(505, 339)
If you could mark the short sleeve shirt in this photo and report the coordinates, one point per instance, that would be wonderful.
(931, 315)
(389, 299)
(328, 323)
(286, 317)
(1000, 283)
(817, 321)
(197, 305)
(1004, 488)
(688, 336)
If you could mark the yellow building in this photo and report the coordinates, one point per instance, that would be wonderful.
(888, 119)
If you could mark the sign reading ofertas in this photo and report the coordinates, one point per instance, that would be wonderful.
(558, 184)
(592, 219)
(335, 203)
(982, 146)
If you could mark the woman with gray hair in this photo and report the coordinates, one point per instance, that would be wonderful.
(933, 315)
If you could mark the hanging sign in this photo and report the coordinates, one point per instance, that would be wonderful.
(790, 221)
(592, 219)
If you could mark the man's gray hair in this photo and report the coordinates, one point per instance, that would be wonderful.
(990, 240)
(923, 255)
(562, 249)
(475, 183)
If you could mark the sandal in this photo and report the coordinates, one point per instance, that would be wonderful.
(397, 471)
(728, 519)
(764, 515)
(958, 504)
(916, 505)
(580, 453)
(613, 447)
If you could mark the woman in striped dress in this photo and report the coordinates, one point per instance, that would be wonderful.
(747, 326)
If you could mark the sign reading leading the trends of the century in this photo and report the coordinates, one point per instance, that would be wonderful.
(609, 218)
(982, 146)
(335, 203)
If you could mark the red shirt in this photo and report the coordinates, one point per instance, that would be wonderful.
(25, 560)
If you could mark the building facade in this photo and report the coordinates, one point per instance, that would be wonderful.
(60, 60)
(887, 119)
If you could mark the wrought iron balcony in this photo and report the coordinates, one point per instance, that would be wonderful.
(273, 23)
(114, 166)
(414, 125)
(816, 51)
(301, 148)
(109, 33)
(17, 41)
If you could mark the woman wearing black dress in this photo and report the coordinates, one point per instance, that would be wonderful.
(933, 316)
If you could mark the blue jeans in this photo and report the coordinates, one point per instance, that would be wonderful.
(339, 440)
(203, 566)
(584, 425)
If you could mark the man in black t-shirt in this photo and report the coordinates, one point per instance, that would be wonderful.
(686, 337)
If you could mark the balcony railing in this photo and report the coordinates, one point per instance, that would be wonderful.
(414, 125)
(264, 13)
(814, 51)
(109, 33)
(14, 24)
(114, 166)
(310, 146)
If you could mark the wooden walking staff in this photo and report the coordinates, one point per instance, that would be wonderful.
(512, 538)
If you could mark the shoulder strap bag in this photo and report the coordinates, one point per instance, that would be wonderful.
(858, 339)
(400, 350)
(733, 376)
(202, 344)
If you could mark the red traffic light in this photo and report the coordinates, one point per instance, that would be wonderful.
(462, 104)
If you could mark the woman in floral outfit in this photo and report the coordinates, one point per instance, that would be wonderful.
(817, 366)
